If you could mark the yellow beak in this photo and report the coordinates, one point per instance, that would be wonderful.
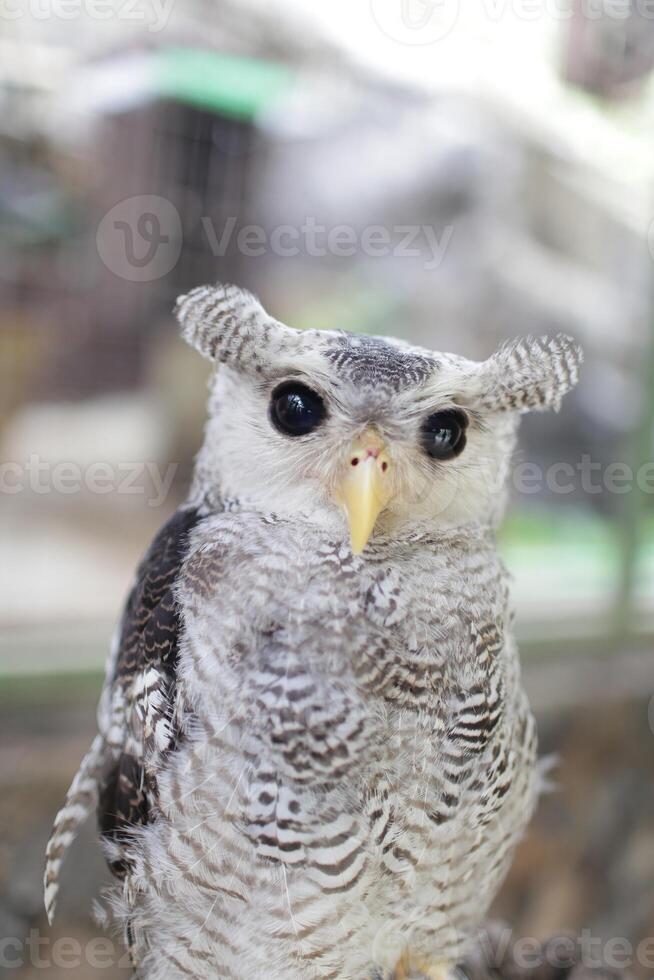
(365, 488)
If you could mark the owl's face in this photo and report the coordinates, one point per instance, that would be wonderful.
(359, 432)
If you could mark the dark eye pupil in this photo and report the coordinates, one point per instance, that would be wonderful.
(295, 409)
(443, 434)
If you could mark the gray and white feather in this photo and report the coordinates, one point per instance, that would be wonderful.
(315, 755)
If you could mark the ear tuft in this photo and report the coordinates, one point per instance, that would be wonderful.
(531, 374)
(224, 323)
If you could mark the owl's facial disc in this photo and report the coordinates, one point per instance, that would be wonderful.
(365, 487)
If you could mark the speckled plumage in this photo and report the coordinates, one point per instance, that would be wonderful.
(310, 761)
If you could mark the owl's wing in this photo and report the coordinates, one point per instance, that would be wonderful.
(136, 714)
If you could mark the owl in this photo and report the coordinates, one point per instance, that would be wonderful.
(315, 755)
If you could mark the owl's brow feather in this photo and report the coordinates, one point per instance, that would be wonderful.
(322, 385)
(279, 372)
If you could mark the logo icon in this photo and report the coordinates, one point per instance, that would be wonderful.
(415, 22)
(140, 238)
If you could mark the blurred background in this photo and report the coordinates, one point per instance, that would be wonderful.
(457, 176)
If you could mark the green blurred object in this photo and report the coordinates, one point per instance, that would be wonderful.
(45, 689)
(635, 522)
(578, 549)
(357, 310)
(226, 84)
(573, 561)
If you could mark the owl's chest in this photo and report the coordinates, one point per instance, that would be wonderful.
(420, 627)
(360, 735)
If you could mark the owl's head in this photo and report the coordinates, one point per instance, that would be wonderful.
(347, 430)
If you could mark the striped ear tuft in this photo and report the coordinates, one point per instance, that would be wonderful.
(530, 374)
(226, 324)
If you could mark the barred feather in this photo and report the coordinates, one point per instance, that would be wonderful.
(80, 801)
(533, 373)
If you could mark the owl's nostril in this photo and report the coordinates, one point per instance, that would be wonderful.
(355, 460)
(384, 466)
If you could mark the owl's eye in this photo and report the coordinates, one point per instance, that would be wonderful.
(295, 409)
(444, 434)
